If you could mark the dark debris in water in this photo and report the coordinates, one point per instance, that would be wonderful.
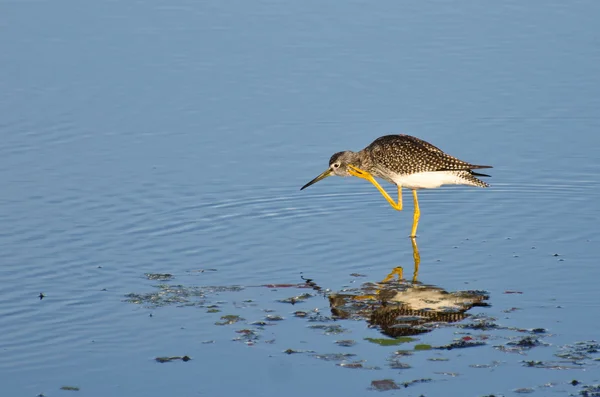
(521, 344)
(247, 336)
(345, 342)
(229, 319)
(159, 276)
(586, 350)
(524, 390)
(300, 313)
(384, 385)
(450, 374)
(590, 391)
(527, 342)
(329, 329)
(173, 358)
(403, 353)
(474, 329)
(334, 356)
(273, 317)
(71, 388)
(480, 325)
(460, 344)
(548, 365)
(416, 381)
(438, 359)
(295, 299)
(493, 364)
(177, 295)
(356, 365)
(394, 363)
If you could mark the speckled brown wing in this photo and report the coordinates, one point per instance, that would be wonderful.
(405, 154)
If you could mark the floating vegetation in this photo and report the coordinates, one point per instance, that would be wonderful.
(423, 346)
(391, 341)
(345, 342)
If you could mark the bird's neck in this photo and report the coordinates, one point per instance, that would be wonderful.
(362, 160)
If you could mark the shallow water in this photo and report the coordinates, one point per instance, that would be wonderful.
(173, 137)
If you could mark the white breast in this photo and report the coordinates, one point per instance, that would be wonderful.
(428, 180)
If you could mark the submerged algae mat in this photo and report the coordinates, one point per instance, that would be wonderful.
(385, 321)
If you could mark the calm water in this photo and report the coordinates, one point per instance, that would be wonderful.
(173, 137)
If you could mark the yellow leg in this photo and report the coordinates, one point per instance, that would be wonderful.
(357, 172)
(417, 215)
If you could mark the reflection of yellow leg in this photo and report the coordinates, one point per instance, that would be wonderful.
(357, 172)
(397, 271)
(417, 215)
(416, 258)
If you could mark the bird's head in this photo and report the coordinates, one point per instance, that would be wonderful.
(338, 165)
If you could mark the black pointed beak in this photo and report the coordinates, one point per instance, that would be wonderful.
(324, 175)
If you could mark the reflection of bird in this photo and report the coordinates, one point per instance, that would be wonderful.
(401, 308)
(408, 310)
(404, 161)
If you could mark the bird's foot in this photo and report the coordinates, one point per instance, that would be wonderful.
(357, 172)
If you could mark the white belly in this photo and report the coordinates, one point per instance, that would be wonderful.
(428, 180)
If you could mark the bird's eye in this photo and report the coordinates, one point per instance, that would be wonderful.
(336, 165)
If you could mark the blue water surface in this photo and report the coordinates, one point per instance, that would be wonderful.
(173, 137)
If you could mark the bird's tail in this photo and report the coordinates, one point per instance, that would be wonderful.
(469, 178)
